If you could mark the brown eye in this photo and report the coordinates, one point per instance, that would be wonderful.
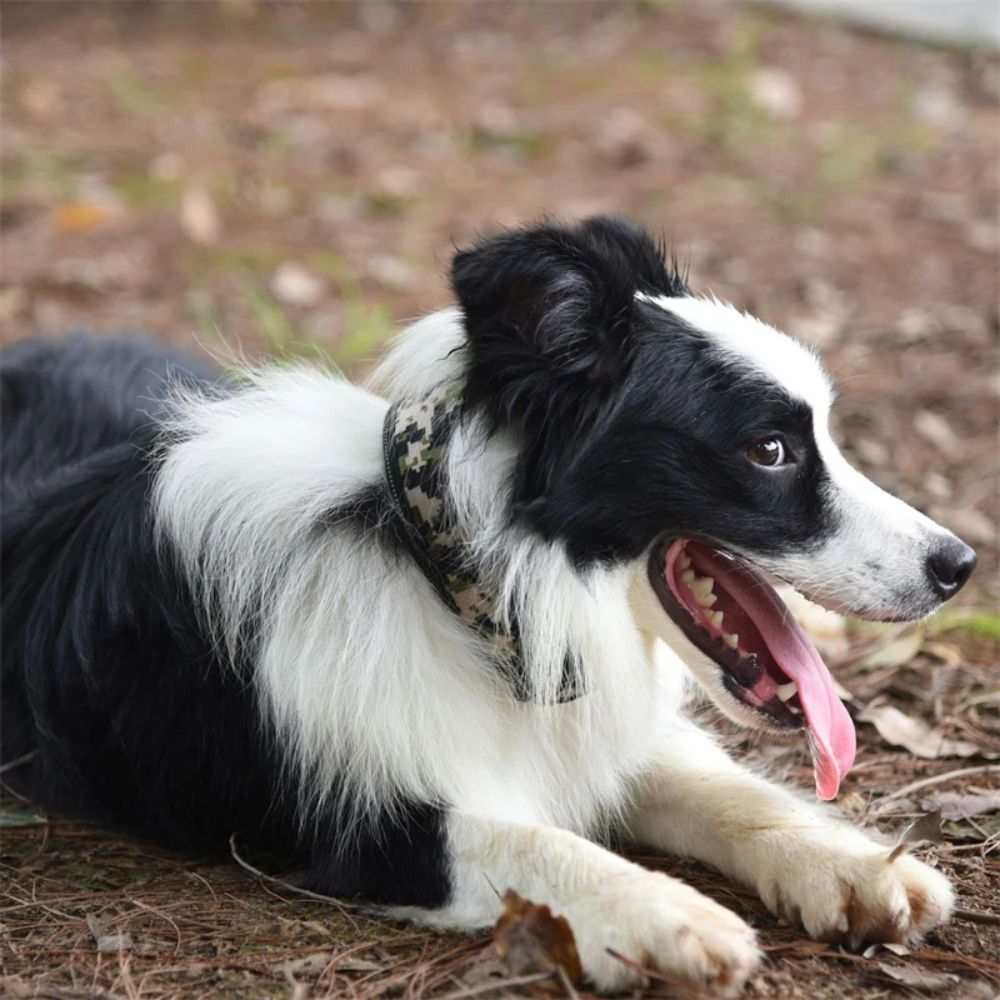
(767, 451)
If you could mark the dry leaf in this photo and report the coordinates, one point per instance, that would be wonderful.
(108, 942)
(310, 964)
(80, 216)
(911, 975)
(945, 652)
(295, 286)
(199, 216)
(955, 805)
(776, 91)
(897, 949)
(895, 653)
(936, 430)
(528, 938)
(899, 729)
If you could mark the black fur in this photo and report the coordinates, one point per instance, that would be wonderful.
(550, 316)
(108, 678)
(632, 425)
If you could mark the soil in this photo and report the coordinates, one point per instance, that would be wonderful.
(291, 179)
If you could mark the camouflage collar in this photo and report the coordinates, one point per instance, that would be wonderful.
(415, 437)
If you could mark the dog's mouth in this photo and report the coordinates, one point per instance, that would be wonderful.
(767, 662)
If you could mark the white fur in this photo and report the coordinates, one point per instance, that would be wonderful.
(843, 574)
(806, 864)
(610, 903)
(356, 646)
(379, 691)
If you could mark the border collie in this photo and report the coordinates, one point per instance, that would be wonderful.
(433, 636)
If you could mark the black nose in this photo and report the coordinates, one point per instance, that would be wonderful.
(949, 566)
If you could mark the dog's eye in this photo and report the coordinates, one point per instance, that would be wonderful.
(767, 451)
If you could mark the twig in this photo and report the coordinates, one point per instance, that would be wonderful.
(499, 984)
(270, 879)
(937, 779)
(974, 917)
(682, 989)
(18, 761)
(567, 985)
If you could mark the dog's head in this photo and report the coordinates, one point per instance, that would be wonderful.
(675, 433)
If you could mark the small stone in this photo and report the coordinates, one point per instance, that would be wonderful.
(295, 286)
(392, 272)
(199, 216)
(936, 430)
(776, 91)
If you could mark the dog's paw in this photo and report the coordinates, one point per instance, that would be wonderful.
(662, 925)
(861, 896)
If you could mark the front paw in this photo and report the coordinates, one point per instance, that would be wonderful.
(860, 895)
(665, 926)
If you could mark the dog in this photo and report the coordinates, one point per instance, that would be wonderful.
(433, 636)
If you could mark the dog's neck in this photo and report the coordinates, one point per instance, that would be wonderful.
(415, 439)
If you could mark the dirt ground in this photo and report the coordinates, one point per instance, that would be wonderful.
(291, 179)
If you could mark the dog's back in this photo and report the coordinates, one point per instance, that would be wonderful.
(64, 400)
(79, 569)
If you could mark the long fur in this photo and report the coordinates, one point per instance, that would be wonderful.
(213, 622)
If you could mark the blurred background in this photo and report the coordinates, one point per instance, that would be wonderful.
(290, 179)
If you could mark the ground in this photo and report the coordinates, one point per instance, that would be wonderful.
(291, 179)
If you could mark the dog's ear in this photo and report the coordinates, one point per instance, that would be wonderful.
(549, 313)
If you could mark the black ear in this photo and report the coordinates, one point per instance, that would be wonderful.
(549, 314)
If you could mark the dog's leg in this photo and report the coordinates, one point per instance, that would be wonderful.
(806, 864)
(646, 916)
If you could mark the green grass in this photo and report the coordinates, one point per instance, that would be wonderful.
(971, 621)
(133, 95)
(142, 190)
(368, 325)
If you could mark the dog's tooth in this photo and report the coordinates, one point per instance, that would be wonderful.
(715, 619)
(794, 710)
(702, 588)
(688, 577)
(683, 560)
(787, 691)
(732, 641)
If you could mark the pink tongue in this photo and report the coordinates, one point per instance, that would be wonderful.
(831, 730)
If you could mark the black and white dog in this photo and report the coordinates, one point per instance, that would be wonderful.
(437, 645)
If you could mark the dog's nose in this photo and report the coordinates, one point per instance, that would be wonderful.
(949, 566)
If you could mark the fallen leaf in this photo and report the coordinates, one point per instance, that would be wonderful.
(776, 91)
(528, 938)
(199, 216)
(108, 942)
(911, 975)
(955, 805)
(16, 815)
(314, 962)
(897, 949)
(899, 729)
(295, 286)
(81, 216)
(945, 652)
(935, 430)
(983, 830)
(896, 652)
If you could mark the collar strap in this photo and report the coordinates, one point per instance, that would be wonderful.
(415, 437)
